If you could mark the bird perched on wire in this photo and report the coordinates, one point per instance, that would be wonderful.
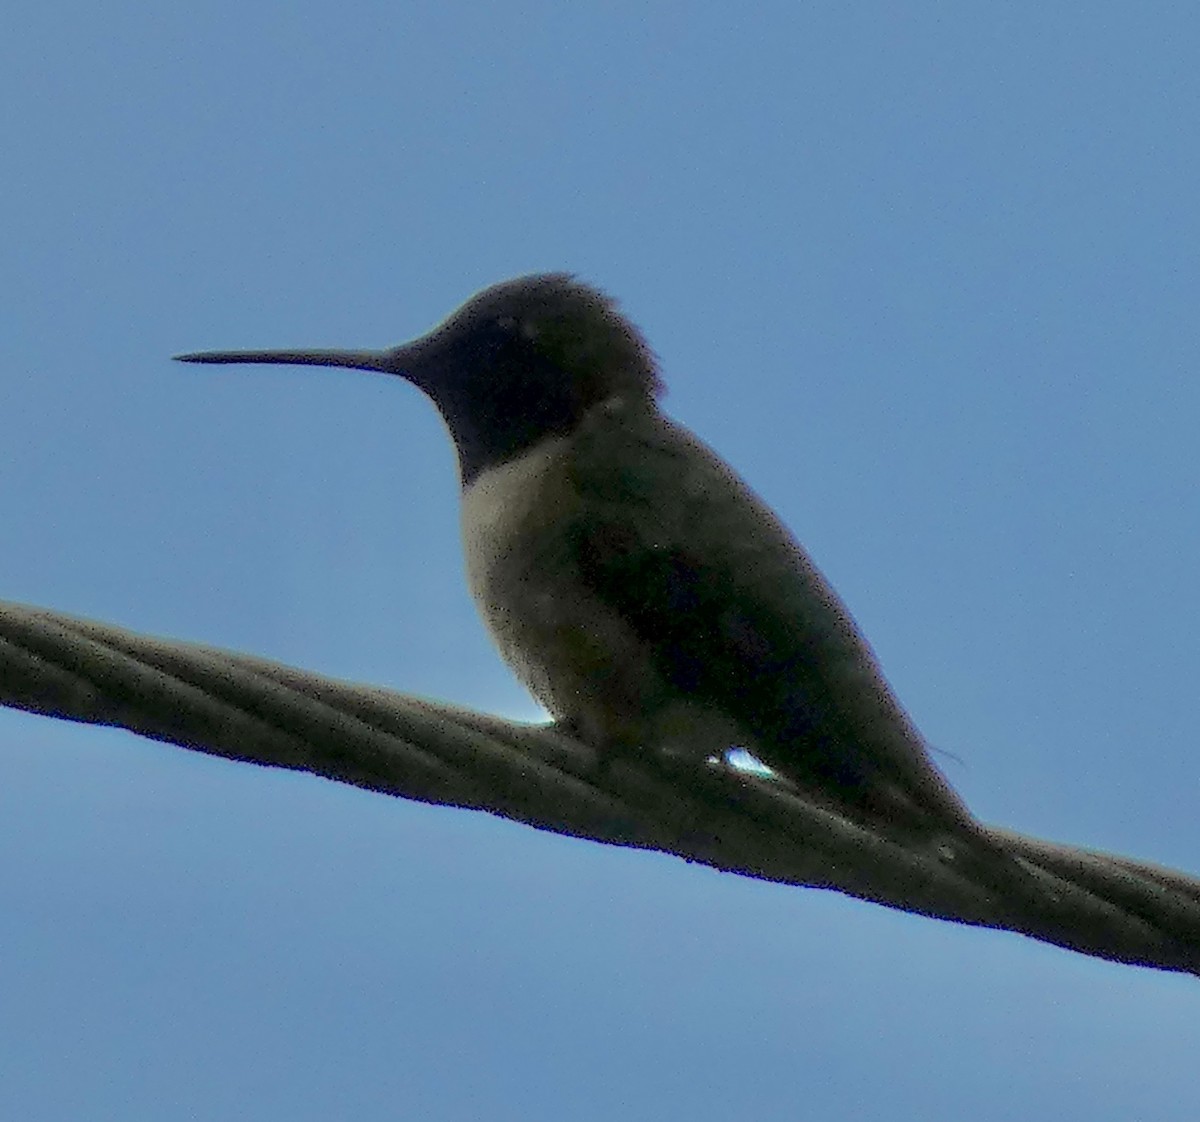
(640, 589)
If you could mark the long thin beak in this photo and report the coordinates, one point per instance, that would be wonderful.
(358, 360)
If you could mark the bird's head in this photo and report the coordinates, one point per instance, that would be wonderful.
(518, 362)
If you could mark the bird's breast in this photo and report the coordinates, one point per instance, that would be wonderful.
(514, 518)
(572, 650)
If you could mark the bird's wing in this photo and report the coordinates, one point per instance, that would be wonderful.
(737, 614)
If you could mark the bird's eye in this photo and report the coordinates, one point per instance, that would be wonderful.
(517, 328)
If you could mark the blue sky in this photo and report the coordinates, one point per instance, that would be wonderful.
(927, 274)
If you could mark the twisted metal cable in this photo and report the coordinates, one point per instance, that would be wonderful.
(253, 710)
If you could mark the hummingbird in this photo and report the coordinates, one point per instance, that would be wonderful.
(641, 591)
